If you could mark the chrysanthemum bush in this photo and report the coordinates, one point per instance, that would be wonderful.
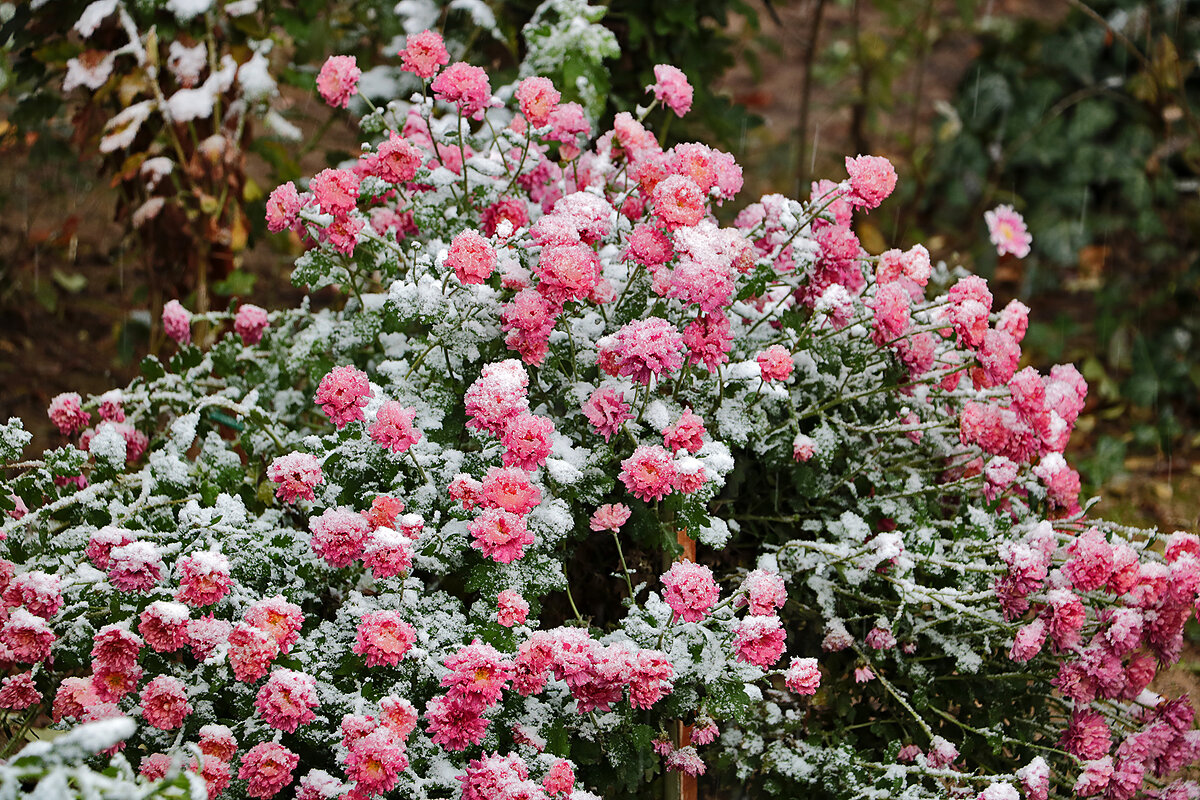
(426, 545)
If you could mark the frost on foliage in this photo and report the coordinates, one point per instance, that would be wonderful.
(13, 438)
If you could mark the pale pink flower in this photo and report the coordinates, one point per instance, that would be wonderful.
(500, 535)
(803, 676)
(383, 637)
(335, 190)
(466, 86)
(67, 414)
(338, 80)
(471, 257)
(218, 741)
(763, 591)
(649, 474)
(281, 620)
(1035, 779)
(338, 536)
(686, 760)
(135, 567)
(537, 97)
(497, 396)
(690, 590)
(607, 410)
(164, 703)
(283, 210)
(388, 553)
(678, 201)
(318, 785)
(775, 363)
(511, 608)
(1095, 777)
(483, 778)
(560, 780)
(100, 545)
(396, 160)
(880, 639)
(374, 762)
(297, 475)
(268, 769)
(567, 272)
(641, 350)
(872, 179)
(509, 488)
(610, 517)
(72, 697)
(1006, 229)
(686, 433)
(1028, 641)
(672, 88)
(398, 714)
(393, 428)
(423, 54)
(286, 701)
(705, 732)
(803, 447)
(251, 650)
(177, 322)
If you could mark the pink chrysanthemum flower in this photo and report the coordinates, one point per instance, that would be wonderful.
(610, 517)
(218, 742)
(537, 97)
(471, 257)
(281, 620)
(338, 80)
(1095, 777)
(672, 88)
(526, 441)
(496, 776)
(1006, 229)
(607, 410)
(67, 414)
(764, 592)
(511, 608)
(803, 676)
(283, 209)
(115, 645)
(286, 701)
(466, 491)
(500, 535)
(510, 488)
(880, 638)
(342, 395)
(466, 86)
(678, 201)
(872, 179)
(164, 626)
(250, 322)
(1091, 561)
(1087, 735)
(268, 769)
(398, 714)
(642, 350)
(338, 536)
(650, 679)
(1028, 641)
(135, 567)
(759, 640)
(686, 433)
(455, 722)
(164, 703)
(497, 396)
(38, 591)
(560, 780)
(648, 474)
(374, 762)
(383, 637)
(775, 363)
(705, 732)
(383, 511)
(297, 475)
(335, 190)
(396, 160)
(18, 692)
(423, 54)
(111, 682)
(686, 760)
(393, 428)
(251, 650)
(690, 590)
(479, 671)
(203, 578)
(567, 272)
(388, 553)
(154, 766)
(71, 698)
(206, 634)
(177, 322)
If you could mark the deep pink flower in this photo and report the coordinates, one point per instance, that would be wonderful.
(339, 536)
(686, 760)
(283, 210)
(872, 179)
(560, 780)
(511, 608)
(164, 703)
(672, 88)
(455, 721)
(678, 201)
(268, 768)
(203, 578)
(164, 626)
(67, 414)
(471, 257)
(763, 591)
(497, 396)
(18, 692)
(251, 650)
(218, 741)
(642, 350)
(775, 363)
(38, 591)
(388, 553)
(686, 433)
(607, 410)
(509, 488)
(423, 54)
(1028, 641)
(1095, 777)
(526, 441)
(135, 567)
(281, 620)
(537, 97)
(567, 272)
(338, 80)
(374, 762)
(690, 590)
(398, 714)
